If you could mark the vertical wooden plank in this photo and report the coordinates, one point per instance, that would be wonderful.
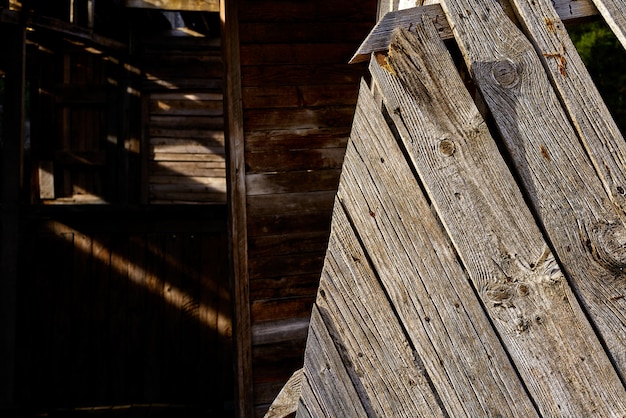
(236, 200)
(11, 172)
(117, 332)
(101, 277)
(154, 310)
(81, 315)
(137, 324)
(62, 343)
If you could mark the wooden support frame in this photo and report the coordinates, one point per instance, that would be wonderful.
(11, 175)
(237, 217)
(191, 5)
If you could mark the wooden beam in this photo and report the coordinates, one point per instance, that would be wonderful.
(75, 32)
(236, 200)
(191, 5)
(14, 41)
(379, 38)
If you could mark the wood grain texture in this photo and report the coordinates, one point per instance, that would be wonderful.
(563, 186)
(380, 36)
(614, 14)
(511, 267)
(430, 293)
(237, 216)
(593, 122)
(329, 390)
(287, 400)
(368, 335)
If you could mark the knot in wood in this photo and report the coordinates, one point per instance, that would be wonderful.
(505, 73)
(446, 147)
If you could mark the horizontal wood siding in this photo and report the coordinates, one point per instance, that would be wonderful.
(299, 96)
(185, 121)
(131, 312)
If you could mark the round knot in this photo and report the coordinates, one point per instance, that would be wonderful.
(505, 73)
(446, 147)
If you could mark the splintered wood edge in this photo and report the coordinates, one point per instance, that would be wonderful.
(380, 36)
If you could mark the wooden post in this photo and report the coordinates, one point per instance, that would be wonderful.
(11, 173)
(236, 181)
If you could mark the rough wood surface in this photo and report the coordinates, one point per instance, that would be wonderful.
(331, 392)
(380, 36)
(366, 332)
(614, 12)
(564, 187)
(592, 120)
(517, 277)
(286, 402)
(430, 293)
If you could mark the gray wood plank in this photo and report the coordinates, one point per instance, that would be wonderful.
(327, 390)
(430, 292)
(381, 362)
(606, 148)
(380, 36)
(564, 187)
(614, 13)
(517, 277)
(592, 120)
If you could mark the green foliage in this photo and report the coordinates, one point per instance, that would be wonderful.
(605, 59)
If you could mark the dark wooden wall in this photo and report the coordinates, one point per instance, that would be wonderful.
(123, 302)
(129, 311)
(299, 96)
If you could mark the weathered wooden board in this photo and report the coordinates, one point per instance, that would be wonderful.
(380, 36)
(331, 393)
(430, 292)
(510, 264)
(296, 139)
(614, 14)
(296, 160)
(368, 335)
(564, 187)
(192, 5)
(595, 126)
(292, 182)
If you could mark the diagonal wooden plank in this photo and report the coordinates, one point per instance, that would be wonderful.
(595, 126)
(586, 230)
(327, 389)
(518, 279)
(614, 13)
(367, 334)
(430, 292)
(380, 36)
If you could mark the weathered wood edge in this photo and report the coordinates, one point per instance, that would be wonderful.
(327, 389)
(598, 131)
(380, 36)
(614, 13)
(555, 307)
(287, 400)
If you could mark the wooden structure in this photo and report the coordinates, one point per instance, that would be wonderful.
(168, 173)
(474, 271)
